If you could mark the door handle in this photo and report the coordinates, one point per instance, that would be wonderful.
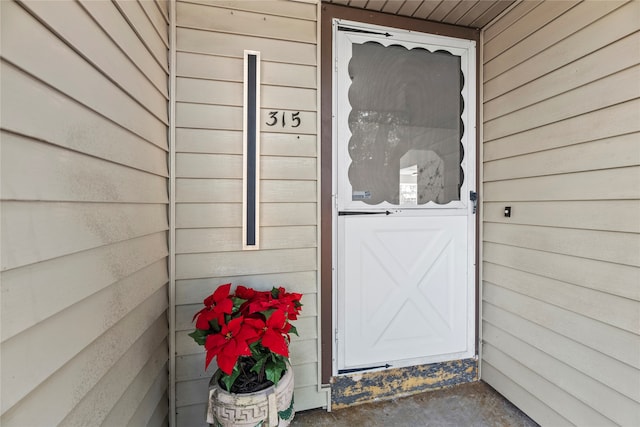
(347, 213)
(473, 196)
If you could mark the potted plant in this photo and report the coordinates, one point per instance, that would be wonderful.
(247, 332)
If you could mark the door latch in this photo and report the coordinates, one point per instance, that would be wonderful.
(473, 196)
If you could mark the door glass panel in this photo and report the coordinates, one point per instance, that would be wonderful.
(405, 124)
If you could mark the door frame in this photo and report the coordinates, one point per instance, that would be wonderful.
(329, 12)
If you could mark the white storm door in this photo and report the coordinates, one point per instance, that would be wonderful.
(404, 159)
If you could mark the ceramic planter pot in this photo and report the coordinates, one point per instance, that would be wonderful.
(265, 408)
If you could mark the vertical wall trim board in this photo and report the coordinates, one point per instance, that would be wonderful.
(320, 311)
(172, 213)
(251, 152)
(480, 188)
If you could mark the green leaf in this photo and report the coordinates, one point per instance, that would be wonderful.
(268, 313)
(215, 325)
(275, 368)
(275, 292)
(237, 302)
(228, 380)
(199, 336)
(259, 365)
(293, 330)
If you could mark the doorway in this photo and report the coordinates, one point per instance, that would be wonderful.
(403, 184)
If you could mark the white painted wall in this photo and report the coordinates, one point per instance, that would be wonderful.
(561, 277)
(211, 39)
(84, 92)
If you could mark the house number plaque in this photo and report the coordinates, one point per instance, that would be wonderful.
(288, 119)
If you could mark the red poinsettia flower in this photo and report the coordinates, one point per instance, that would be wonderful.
(229, 344)
(276, 333)
(244, 292)
(290, 303)
(216, 306)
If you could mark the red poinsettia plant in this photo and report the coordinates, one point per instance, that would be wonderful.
(248, 332)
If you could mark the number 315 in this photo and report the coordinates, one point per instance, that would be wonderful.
(273, 119)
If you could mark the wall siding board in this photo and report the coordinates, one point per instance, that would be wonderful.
(207, 116)
(153, 409)
(619, 151)
(561, 322)
(618, 375)
(608, 29)
(163, 5)
(230, 239)
(208, 66)
(62, 68)
(158, 20)
(199, 41)
(522, 398)
(283, 145)
(558, 26)
(509, 18)
(513, 34)
(616, 311)
(211, 39)
(614, 342)
(590, 185)
(594, 66)
(46, 225)
(109, 18)
(574, 410)
(110, 388)
(196, 290)
(205, 215)
(209, 141)
(84, 214)
(599, 275)
(293, 9)
(110, 305)
(230, 191)
(160, 416)
(94, 270)
(621, 248)
(90, 180)
(133, 12)
(96, 46)
(31, 109)
(68, 389)
(588, 215)
(615, 89)
(608, 406)
(151, 378)
(246, 23)
(193, 266)
(608, 122)
(190, 165)
(214, 92)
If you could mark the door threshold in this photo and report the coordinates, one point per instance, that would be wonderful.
(361, 387)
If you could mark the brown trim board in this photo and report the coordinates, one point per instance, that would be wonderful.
(328, 13)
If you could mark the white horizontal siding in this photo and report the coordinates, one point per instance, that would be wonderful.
(84, 197)
(561, 301)
(211, 39)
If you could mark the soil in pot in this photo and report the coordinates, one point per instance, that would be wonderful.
(247, 382)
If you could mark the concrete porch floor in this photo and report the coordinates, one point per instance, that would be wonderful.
(473, 404)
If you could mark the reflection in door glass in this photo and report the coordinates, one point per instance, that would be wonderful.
(405, 124)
